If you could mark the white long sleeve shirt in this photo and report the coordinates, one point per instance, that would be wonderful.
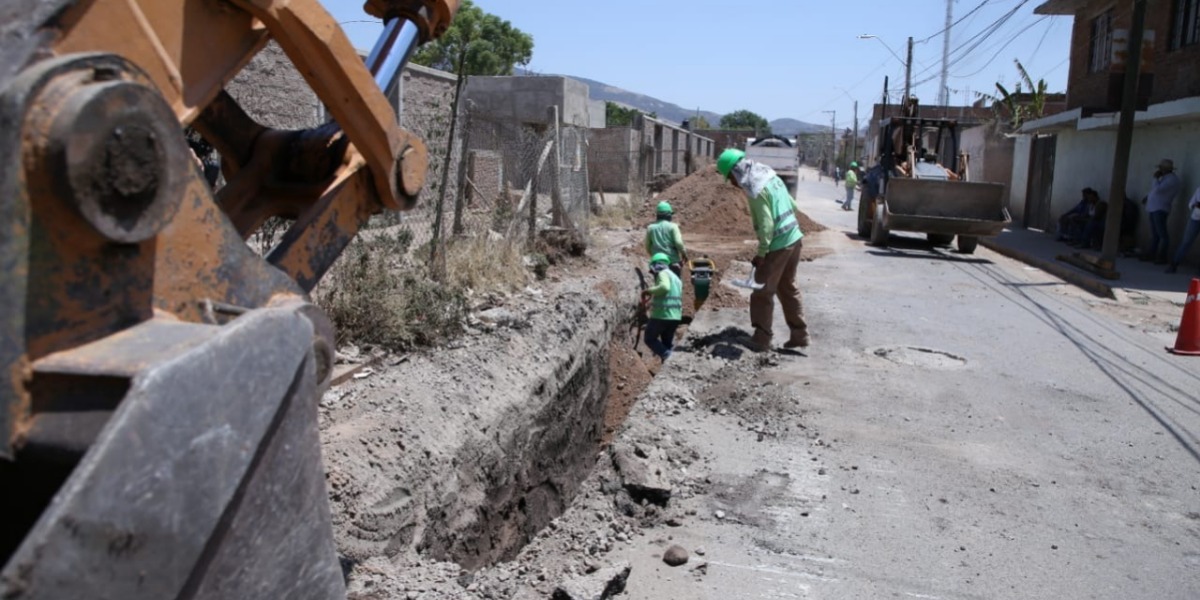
(1162, 192)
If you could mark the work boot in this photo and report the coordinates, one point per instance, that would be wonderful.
(759, 342)
(797, 342)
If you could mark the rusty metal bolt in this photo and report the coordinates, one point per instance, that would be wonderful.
(120, 152)
(125, 173)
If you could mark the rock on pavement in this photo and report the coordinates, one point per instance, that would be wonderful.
(601, 585)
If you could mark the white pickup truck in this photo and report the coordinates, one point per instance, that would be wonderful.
(777, 152)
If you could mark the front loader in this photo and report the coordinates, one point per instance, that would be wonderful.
(917, 193)
(158, 379)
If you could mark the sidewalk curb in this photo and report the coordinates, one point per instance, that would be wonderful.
(1063, 272)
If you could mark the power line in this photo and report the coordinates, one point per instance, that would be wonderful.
(963, 51)
(960, 20)
(997, 54)
(1049, 26)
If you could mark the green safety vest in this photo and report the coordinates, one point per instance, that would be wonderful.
(787, 230)
(669, 306)
(662, 239)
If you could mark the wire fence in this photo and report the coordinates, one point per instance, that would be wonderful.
(492, 177)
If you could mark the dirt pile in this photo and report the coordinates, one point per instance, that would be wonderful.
(705, 203)
(715, 219)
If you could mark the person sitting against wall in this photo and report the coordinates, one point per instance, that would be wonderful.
(1127, 240)
(1071, 224)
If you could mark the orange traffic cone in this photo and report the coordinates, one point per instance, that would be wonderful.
(1188, 340)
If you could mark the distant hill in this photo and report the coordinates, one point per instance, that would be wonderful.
(667, 111)
(598, 90)
(793, 126)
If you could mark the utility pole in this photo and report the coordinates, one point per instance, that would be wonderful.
(907, 74)
(1120, 170)
(943, 93)
(832, 136)
(854, 144)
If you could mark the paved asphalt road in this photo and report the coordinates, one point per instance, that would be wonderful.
(972, 430)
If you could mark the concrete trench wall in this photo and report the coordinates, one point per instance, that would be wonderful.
(466, 454)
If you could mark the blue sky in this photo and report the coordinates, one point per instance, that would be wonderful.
(778, 58)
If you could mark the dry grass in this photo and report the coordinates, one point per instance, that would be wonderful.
(373, 299)
(378, 295)
(486, 264)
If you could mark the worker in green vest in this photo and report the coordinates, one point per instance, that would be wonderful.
(772, 211)
(666, 306)
(664, 236)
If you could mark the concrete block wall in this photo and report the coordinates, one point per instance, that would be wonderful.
(273, 92)
(426, 98)
(485, 168)
(613, 159)
(991, 154)
(526, 99)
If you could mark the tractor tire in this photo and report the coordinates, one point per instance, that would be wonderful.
(939, 239)
(967, 244)
(879, 235)
(864, 218)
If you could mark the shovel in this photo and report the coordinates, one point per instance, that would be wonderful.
(748, 283)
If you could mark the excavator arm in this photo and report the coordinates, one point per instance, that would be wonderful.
(158, 378)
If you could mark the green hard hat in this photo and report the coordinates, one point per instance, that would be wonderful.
(664, 208)
(853, 165)
(728, 158)
(660, 257)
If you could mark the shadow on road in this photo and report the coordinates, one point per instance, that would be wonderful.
(1144, 387)
(930, 255)
(729, 343)
(911, 247)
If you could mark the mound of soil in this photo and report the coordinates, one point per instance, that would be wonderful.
(714, 216)
(706, 203)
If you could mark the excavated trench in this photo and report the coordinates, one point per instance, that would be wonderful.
(476, 489)
(582, 404)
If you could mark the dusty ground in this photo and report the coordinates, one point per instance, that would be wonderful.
(377, 427)
(717, 391)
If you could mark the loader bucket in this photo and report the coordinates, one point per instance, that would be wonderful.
(947, 207)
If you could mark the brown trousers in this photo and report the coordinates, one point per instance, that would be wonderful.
(777, 273)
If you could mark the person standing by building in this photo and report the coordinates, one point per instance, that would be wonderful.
(663, 236)
(772, 210)
(1190, 233)
(666, 307)
(851, 185)
(1158, 207)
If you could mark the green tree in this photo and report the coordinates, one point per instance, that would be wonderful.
(1017, 106)
(744, 119)
(484, 43)
(616, 115)
(700, 123)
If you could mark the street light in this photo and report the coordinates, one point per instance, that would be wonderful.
(907, 63)
(868, 36)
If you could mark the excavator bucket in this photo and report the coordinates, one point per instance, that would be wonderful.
(159, 379)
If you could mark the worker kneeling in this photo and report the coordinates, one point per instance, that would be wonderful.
(666, 307)
(772, 210)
